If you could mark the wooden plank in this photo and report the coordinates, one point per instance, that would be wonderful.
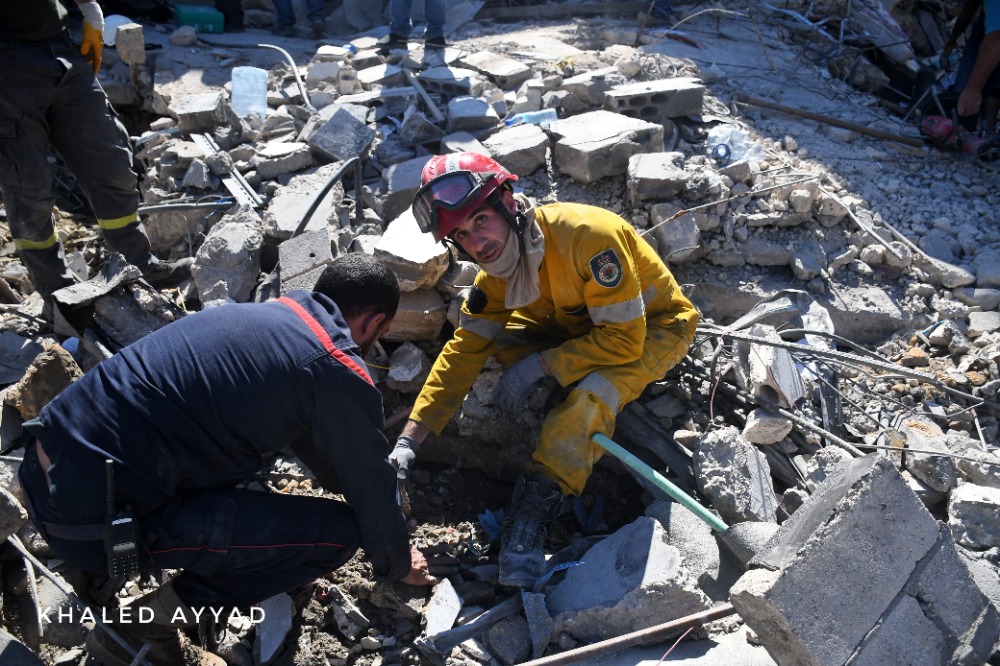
(562, 10)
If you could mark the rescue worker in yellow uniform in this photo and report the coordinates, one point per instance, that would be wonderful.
(568, 291)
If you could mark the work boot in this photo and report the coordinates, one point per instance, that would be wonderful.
(133, 244)
(318, 27)
(391, 43)
(159, 626)
(535, 504)
(47, 269)
(163, 274)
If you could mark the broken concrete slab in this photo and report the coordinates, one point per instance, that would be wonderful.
(16, 653)
(506, 72)
(342, 137)
(303, 259)
(278, 612)
(416, 259)
(865, 529)
(867, 312)
(594, 145)
(227, 265)
(279, 158)
(401, 182)
(631, 580)
(451, 82)
(520, 149)
(974, 515)
(286, 210)
(735, 477)
(471, 114)
(420, 316)
(408, 369)
(655, 176)
(200, 112)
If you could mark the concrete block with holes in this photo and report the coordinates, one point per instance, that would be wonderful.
(654, 100)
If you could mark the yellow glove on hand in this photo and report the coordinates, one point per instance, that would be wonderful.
(92, 46)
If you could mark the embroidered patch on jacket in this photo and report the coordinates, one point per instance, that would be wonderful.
(476, 301)
(606, 268)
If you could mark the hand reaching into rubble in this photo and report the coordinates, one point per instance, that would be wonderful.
(515, 384)
(430, 563)
(92, 44)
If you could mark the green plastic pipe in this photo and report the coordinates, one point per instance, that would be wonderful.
(660, 482)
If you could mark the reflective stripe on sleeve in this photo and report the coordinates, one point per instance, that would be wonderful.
(481, 327)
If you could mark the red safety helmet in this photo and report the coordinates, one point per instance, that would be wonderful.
(452, 186)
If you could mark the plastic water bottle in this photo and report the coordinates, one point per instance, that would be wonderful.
(249, 91)
(541, 118)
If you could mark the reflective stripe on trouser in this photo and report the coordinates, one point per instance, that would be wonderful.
(565, 452)
(50, 97)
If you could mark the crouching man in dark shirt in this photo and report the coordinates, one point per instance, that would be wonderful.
(193, 409)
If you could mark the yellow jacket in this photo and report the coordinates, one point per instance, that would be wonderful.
(601, 287)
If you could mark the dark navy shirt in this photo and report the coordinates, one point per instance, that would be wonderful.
(196, 405)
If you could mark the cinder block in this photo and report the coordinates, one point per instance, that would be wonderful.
(521, 149)
(449, 81)
(654, 100)
(401, 181)
(471, 114)
(201, 112)
(385, 76)
(594, 145)
(591, 87)
(841, 575)
(342, 137)
(655, 176)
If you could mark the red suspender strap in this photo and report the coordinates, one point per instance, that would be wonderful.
(325, 339)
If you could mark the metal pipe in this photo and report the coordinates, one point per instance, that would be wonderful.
(185, 205)
(355, 162)
(640, 637)
(660, 482)
(295, 71)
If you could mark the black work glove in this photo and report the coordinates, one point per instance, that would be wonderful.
(402, 456)
(515, 384)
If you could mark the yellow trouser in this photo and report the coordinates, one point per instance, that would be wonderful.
(565, 452)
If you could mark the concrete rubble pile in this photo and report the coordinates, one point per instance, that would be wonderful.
(879, 464)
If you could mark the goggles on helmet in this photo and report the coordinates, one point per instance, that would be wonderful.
(452, 191)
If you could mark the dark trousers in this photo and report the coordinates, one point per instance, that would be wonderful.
(50, 99)
(235, 547)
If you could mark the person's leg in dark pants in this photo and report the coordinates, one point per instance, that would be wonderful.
(239, 547)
